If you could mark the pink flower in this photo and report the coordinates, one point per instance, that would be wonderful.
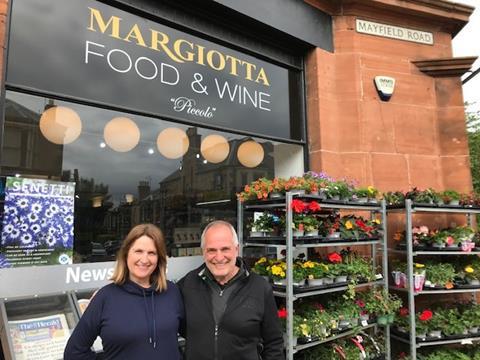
(450, 240)
(424, 229)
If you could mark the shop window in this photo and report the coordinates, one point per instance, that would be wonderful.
(126, 173)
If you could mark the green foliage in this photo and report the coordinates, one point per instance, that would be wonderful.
(440, 274)
(264, 222)
(473, 133)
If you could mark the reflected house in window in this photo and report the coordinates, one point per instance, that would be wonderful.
(193, 195)
(25, 149)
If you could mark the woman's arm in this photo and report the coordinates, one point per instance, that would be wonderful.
(88, 328)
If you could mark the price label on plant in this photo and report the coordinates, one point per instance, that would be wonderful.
(467, 342)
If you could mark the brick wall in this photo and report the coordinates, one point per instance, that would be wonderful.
(418, 138)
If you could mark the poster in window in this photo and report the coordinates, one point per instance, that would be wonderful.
(39, 338)
(37, 222)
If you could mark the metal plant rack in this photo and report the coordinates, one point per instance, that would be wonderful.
(377, 246)
(409, 209)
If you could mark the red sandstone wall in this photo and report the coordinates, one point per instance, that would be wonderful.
(418, 138)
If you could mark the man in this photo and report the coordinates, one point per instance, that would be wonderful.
(230, 312)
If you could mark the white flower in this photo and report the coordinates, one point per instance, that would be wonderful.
(12, 211)
(35, 228)
(54, 208)
(48, 213)
(26, 238)
(36, 207)
(22, 203)
(15, 233)
(50, 240)
(69, 219)
(32, 217)
(7, 229)
(24, 227)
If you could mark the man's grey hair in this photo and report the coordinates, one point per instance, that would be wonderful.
(219, 223)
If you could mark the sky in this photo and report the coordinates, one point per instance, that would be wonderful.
(467, 43)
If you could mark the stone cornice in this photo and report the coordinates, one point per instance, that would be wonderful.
(445, 67)
(450, 16)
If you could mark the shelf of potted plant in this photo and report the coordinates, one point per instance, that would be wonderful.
(311, 211)
(442, 276)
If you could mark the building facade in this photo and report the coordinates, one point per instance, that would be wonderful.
(161, 111)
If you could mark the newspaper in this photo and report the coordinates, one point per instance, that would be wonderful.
(42, 338)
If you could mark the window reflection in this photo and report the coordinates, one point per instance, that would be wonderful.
(144, 178)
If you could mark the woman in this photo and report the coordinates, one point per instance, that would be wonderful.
(139, 314)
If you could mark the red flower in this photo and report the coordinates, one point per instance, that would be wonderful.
(318, 306)
(360, 224)
(314, 206)
(282, 313)
(298, 206)
(334, 257)
(426, 315)
(360, 303)
(403, 312)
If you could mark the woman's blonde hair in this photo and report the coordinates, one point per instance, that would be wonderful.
(159, 276)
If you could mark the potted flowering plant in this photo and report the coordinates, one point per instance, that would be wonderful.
(297, 225)
(257, 190)
(394, 198)
(277, 272)
(439, 275)
(366, 194)
(276, 188)
(471, 273)
(384, 305)
(299, 274)
(263, 225)
(332, 226)
(421, 236)
(450, 197)
(349, 228)
(302, 328)
(261, 267)
(297, 185)
(315, 272)
(422, 323)
(428, 196)
(311, 225)
(402, 321)
(338, 190)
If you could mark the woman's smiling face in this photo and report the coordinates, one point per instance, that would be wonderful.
(142, 260)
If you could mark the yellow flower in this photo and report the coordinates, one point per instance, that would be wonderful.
(304, 329)
(308, 265)
(261, 260)
(276, 270)
(377, 221)
(469, 269)
(419, 266)
(310, 276)
(348, 225)
(282, 274)
(371, 189)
